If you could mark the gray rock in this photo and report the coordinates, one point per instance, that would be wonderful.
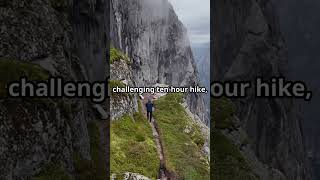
(134, 176)
(25, 150)
(68, 41)
(248, 43)
(157, 42)
(122, 103)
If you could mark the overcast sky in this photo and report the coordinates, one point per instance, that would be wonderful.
(195, 15)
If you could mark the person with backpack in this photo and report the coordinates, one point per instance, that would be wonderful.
(149, 107)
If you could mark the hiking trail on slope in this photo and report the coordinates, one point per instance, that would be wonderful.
(162, 170)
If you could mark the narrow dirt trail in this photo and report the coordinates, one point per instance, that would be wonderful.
(162, 170)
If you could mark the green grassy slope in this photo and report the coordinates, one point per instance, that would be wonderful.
(227, 161)
(181, 149)
(132, 146)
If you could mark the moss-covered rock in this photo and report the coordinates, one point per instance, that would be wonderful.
(34, 123)
(121, 103)
(227, 160)
(117, 55)
(222, 113)
(116, 83)
(13, 70)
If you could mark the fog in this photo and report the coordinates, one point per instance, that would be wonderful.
(196, 17)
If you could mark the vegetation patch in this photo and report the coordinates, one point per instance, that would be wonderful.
(182, 150)
(116, 83)
(117, 55)
(95, 168)
(53, 171)
(12, 70)
(228, 163)
(119, 96)
(223, 110)
(132, 146)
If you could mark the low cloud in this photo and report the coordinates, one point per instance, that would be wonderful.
(195, 16)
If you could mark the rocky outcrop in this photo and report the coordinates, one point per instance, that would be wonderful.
(248, 43)
(29, 140)
(122, 103)
(151, 34)
(131, 176)
(205, 130)
(68, 39)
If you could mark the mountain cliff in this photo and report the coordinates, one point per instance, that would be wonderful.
(53, 138)
(151, 34)
(248, 43)
(150, 47)
(201, 53)
(299, 24)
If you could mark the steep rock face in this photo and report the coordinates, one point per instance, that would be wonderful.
(28, 141)
(30, 36)
(299, 23)
(90, 24)
(157, 42)
(48, 33)
(201, 54)
(248, 43)
(122, 103)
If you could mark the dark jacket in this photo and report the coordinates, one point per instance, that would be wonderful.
(149, 106)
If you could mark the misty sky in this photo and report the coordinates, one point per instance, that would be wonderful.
(195, 15)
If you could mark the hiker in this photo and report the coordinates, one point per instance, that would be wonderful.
(149, 107)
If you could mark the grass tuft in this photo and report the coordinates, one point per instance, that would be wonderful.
(117, 55)
(116, 83)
